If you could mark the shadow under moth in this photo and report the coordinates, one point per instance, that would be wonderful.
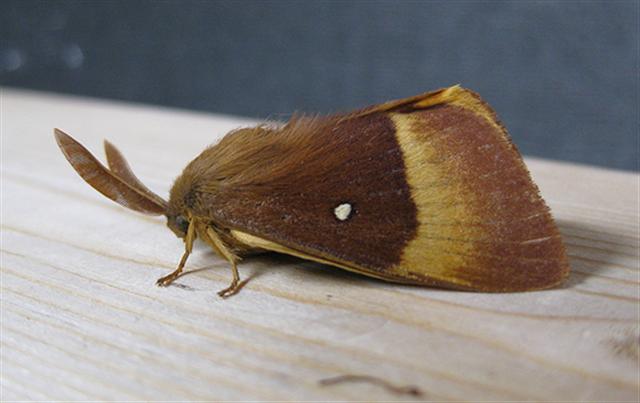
(426, 190)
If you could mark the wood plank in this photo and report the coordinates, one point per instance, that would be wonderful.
(81, 318)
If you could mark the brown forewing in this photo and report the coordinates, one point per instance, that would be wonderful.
(289, 193)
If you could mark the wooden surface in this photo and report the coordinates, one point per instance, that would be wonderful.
(81, 317)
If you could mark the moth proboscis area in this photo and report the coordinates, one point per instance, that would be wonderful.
(427, 190)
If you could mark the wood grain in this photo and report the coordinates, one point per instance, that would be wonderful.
(81, 318)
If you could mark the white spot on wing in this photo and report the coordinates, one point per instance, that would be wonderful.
(343, 211)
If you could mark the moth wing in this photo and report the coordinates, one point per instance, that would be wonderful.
(437, 195)
(265, 244)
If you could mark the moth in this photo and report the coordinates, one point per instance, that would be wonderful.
(427, 190)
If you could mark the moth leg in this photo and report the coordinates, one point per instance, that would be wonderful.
(188, 247)
(235, 286)
(220, 247)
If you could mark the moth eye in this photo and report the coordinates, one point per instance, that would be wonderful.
(182, 224)
(343, 211)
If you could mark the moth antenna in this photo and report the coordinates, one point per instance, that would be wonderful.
(103, 180)
(120, 167)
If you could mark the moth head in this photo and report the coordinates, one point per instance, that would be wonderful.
(180, 203)
(117, 182)
(179, 224)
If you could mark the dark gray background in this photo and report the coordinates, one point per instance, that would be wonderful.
(563, 76)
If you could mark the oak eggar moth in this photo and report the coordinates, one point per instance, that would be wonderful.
(427, 190)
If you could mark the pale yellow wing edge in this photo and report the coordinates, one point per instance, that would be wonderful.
(261, 243)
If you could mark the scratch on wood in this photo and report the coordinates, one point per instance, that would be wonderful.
(398, 390)
(183, 286)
